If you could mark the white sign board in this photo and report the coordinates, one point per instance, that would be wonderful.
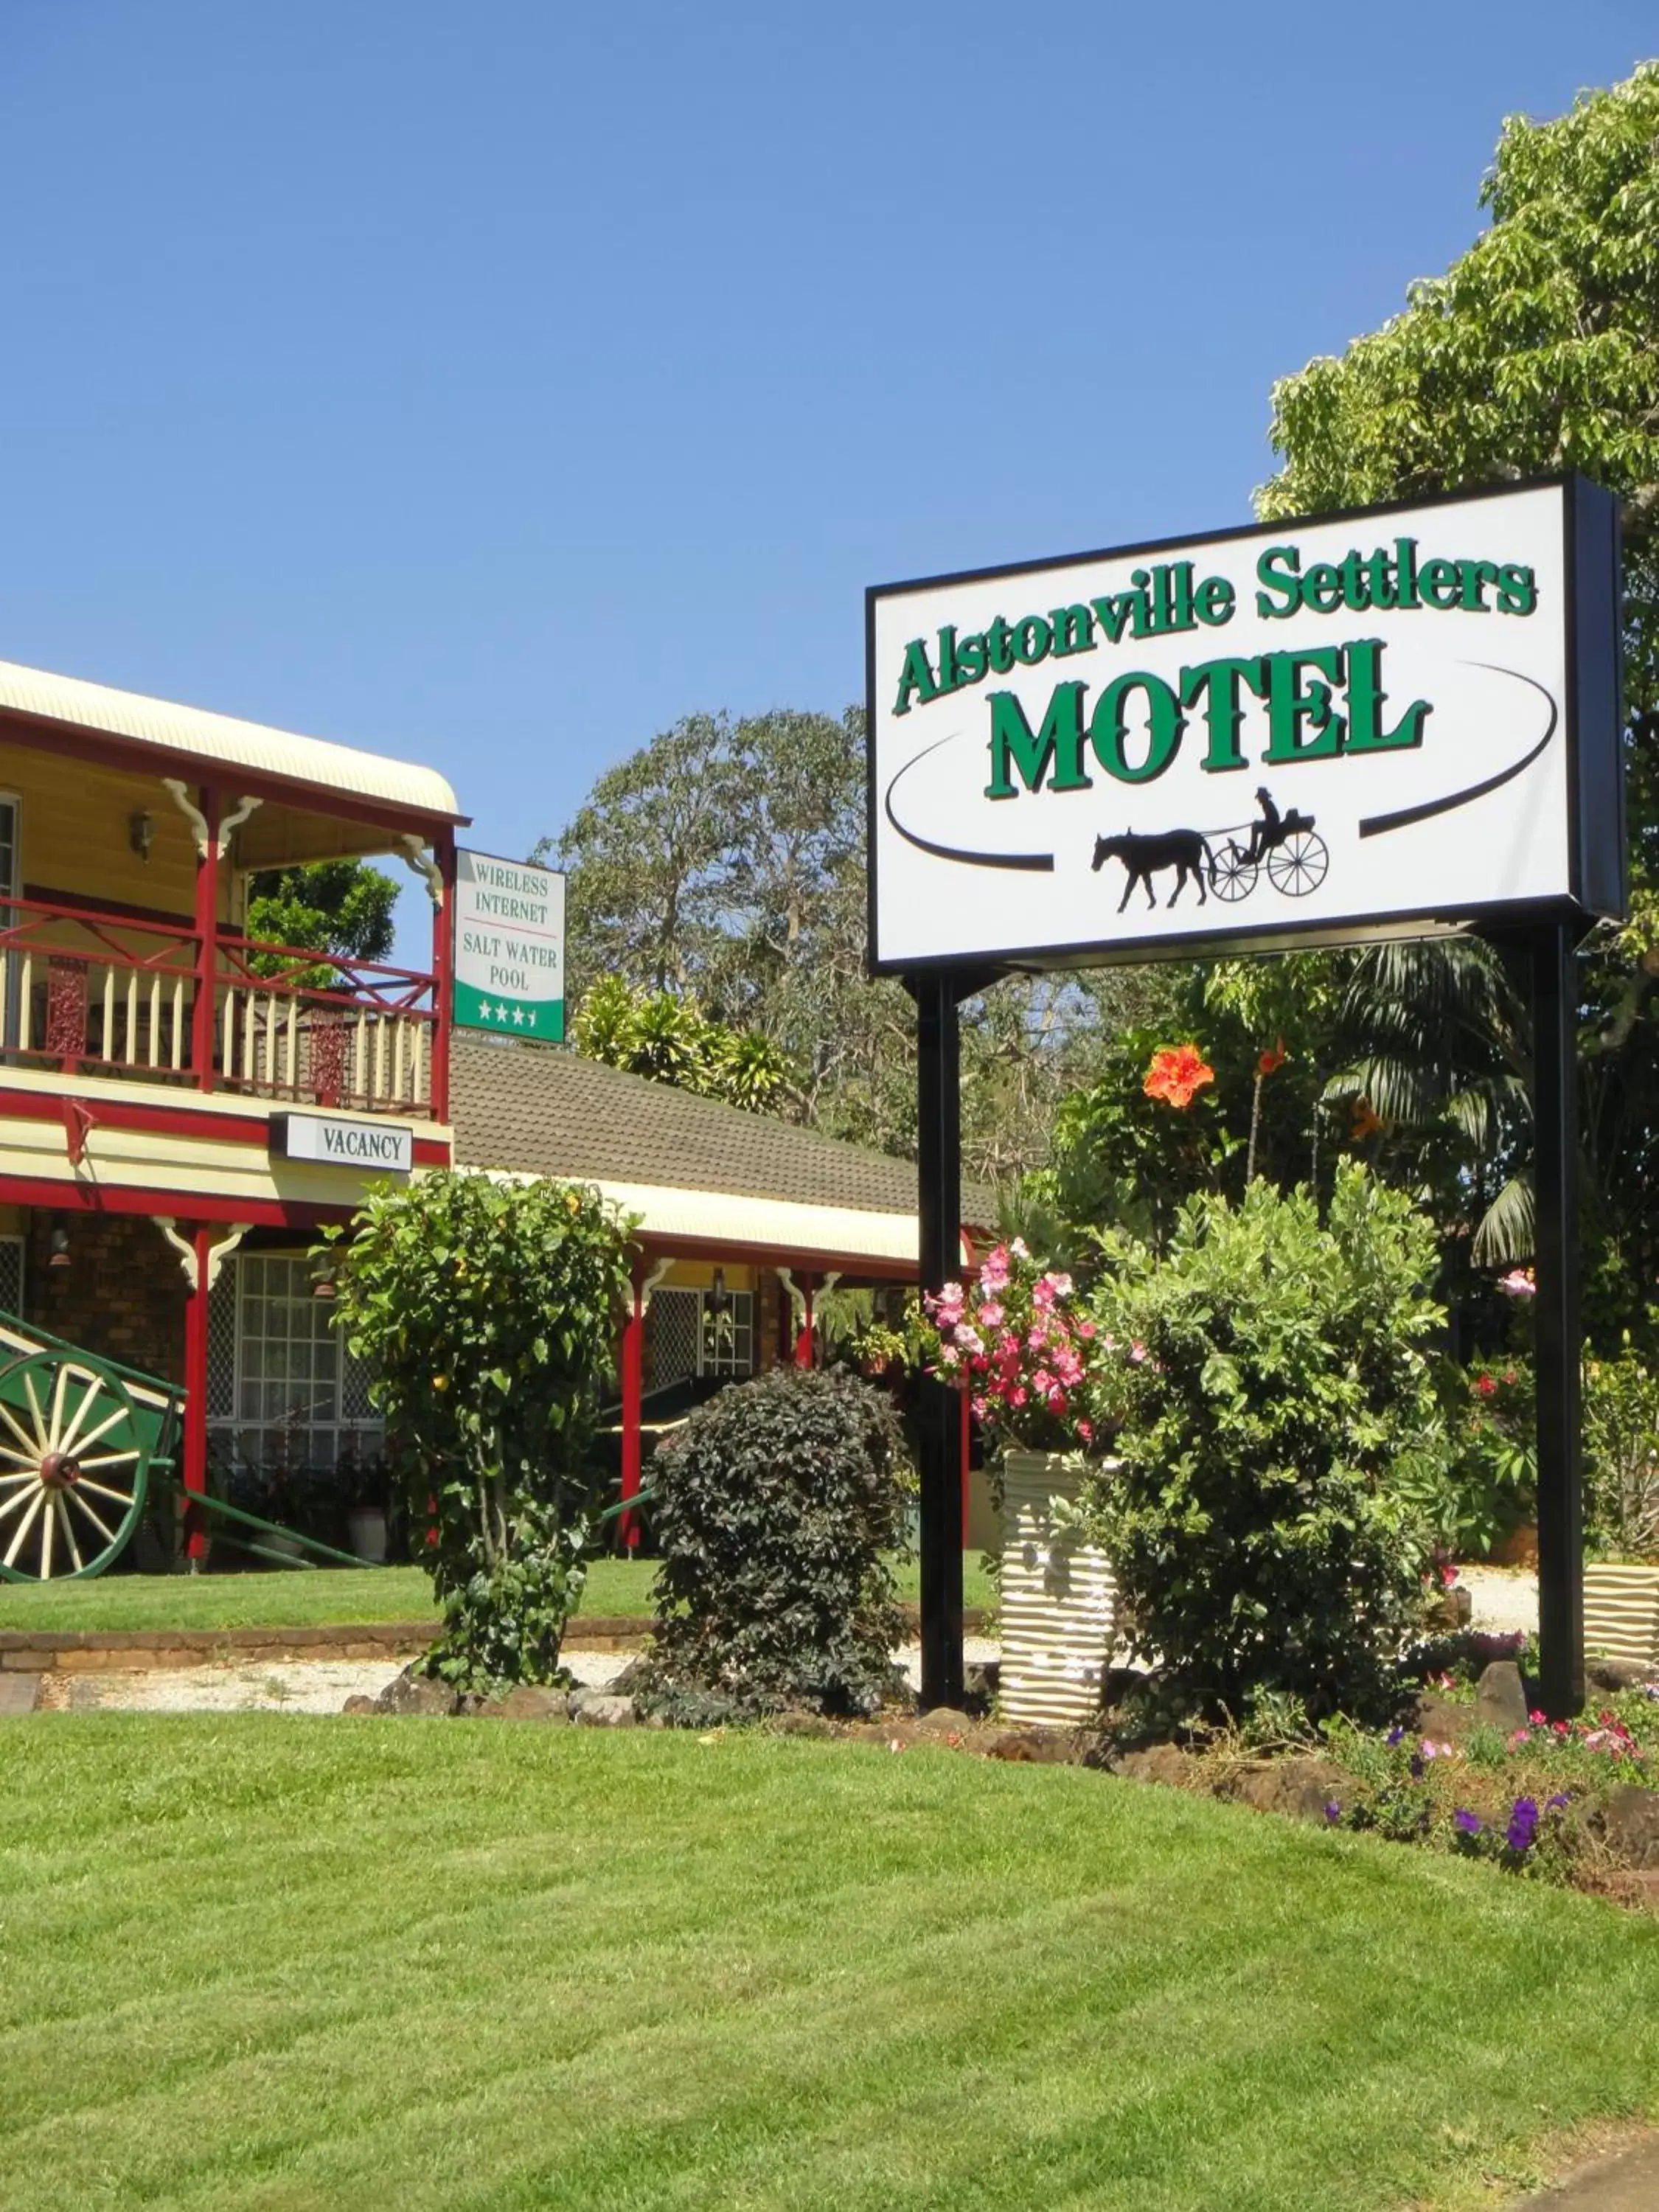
(1320, 731)
(509, 947)
(377, 1147)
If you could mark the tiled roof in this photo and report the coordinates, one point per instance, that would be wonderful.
(541, 1111)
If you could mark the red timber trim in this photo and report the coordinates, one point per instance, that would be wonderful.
(207, 942)
(806, 1287)
(231, 1126)
(443, 961)
(196, 1398)
(108, 750)
(86, 1197)
(632, 1363)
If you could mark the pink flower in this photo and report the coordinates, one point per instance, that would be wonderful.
(968, 1339)
(1017, 1247)
(1059, 1284)
(1519, 1283)
(1017, 1395)
(990, 1315)
(1085, 1430)
(1068, 1367)
(979, 1409)
(1037, 1341)
(1138, 1353)
(994, 1275)
(1448, 1574)
(1086, 1329)
(949, 1356)
(1056, 1399)
(1043, 1382)
(1043, 1294)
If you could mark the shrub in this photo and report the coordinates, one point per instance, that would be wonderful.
(488, 1314)
(773, 1506)
(1621, 1456)
(1255, 1518)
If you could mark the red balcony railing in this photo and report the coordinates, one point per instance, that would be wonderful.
(102, 994)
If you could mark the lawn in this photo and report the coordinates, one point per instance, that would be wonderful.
(300, 1600)
(280, 1964)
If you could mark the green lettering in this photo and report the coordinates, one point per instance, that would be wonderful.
(1476, 576)
(1214, 601)
(1321, 588)
(1108, 731)
(917, 677)
(1220, 682)
(1441, 584)
(1289, 707)
(1032, 639)
(1365, 696)
(1517, 590)
(1278, 571)
(1058, 743)
(999, 641)
(1073, 630)
(971, 660)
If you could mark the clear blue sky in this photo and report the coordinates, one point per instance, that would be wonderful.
(493, 382)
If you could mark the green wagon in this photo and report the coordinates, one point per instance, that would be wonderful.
(83, 1441)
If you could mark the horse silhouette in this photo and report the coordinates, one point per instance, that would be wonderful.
(1187, 851)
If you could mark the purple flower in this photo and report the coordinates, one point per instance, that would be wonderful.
(1524, 1824)
(1395, 1735)
(1469, 1824)
(1554, 1804)
(1332, 1812)
(1415, 1768)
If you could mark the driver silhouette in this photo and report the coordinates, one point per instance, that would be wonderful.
(1264, 835)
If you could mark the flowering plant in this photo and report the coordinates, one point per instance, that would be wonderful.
(1013, 1336)
(1178, 1072)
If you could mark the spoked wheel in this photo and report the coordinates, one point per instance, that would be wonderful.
(1297, 867)
(74, 1460)
(1232, 874)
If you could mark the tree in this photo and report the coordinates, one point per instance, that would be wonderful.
(669, 1039)
(330, 906)
(725, 862)
(488, 1314)
(1538, 349)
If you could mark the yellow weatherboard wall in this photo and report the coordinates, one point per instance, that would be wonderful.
(77, 841)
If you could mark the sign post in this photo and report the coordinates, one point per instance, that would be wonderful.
(1399, 722)
(508, 964)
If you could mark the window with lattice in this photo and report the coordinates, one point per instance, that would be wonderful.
(283, 1390)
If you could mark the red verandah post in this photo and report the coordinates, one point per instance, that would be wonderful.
(804, 1336)
(196, 1400)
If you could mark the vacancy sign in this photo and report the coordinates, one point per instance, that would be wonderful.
(1374, 724)
(509, 947)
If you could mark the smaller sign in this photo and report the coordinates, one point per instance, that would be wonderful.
(509, 947)
(371, 1147)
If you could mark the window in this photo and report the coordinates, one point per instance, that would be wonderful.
(283, 1390)
(689, 1336)
(11, 1274)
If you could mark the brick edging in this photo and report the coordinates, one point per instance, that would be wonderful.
(84, 1652)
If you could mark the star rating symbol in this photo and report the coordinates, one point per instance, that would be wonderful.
(521, 1016)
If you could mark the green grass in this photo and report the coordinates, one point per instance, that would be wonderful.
(279, 1965)
(328, 1596)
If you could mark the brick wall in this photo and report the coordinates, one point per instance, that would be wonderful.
(122, 1296)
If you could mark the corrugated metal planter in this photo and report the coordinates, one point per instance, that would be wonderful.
(1621, 1611)
(1059, 1601)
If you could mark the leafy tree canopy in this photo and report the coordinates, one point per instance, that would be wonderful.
(328, 906)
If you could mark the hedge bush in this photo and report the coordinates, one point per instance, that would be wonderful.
(1276, 1416)
(774, 1507)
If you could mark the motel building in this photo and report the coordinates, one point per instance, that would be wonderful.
(182, 1110)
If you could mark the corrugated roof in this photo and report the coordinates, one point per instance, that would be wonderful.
(248, 745)
(540, 1111)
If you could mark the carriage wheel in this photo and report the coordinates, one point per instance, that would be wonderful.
(74, 1460)
(1232, 876)
(1297, 867)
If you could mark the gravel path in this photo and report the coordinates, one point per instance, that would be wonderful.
(1505, 1598)
(315, 1685)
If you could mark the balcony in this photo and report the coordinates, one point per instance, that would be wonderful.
(89, 993)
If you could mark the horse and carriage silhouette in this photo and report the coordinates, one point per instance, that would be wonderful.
(1287, 845)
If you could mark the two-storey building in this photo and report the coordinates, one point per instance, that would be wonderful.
(171, 1092)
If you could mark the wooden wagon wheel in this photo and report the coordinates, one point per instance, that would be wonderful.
(1297, 867)
(74, 1462)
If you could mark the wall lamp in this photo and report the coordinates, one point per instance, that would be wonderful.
(141, 833)
(58, 1251)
